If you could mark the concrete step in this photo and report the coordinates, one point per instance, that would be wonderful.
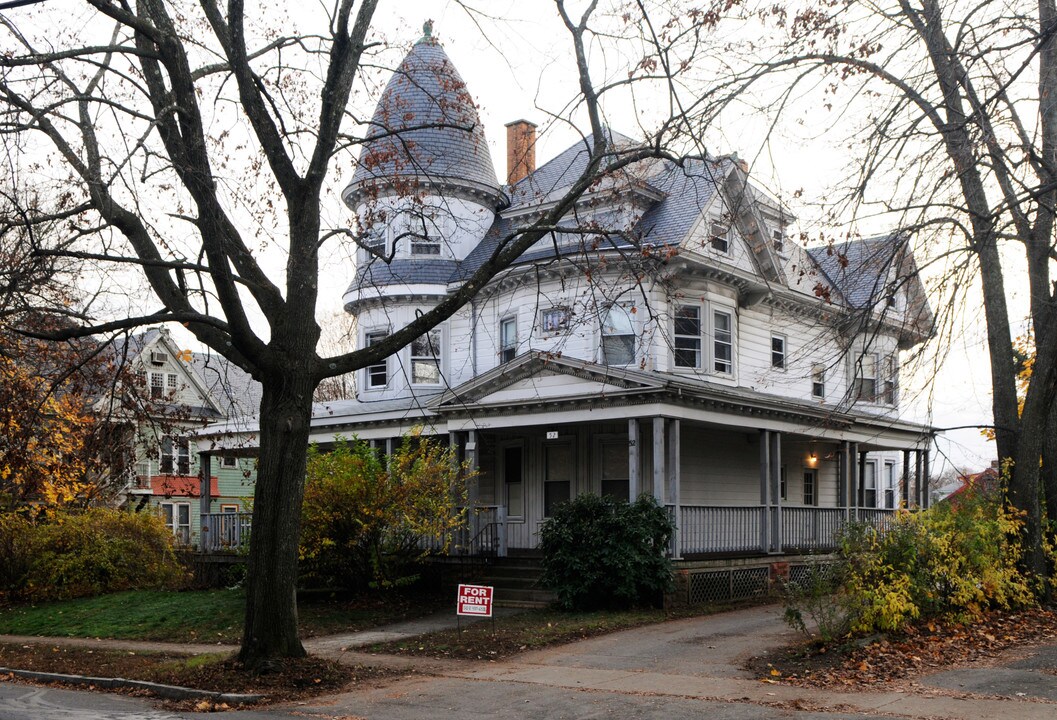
(514, 597)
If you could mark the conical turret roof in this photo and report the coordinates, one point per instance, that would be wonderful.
(425, 129)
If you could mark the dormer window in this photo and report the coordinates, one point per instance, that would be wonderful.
(719, 237)
(618, 337)
(778, 238)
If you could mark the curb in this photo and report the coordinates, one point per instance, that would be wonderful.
(168, 692)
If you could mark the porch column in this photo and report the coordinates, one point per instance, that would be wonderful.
(765, 490)
(917, 478)
(862, 481)
(633, 459)
(925, 477)
(842, 476)
(205, 502)
(659, 476)
(473, 489)
(776, 491)
(674, 481)
(854, 481)
(906, 479)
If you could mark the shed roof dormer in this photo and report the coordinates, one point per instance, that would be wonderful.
(425, 133)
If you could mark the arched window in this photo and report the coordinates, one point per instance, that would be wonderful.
(618, 337)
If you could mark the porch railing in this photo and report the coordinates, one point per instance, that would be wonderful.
(225, 531)
(482, 533)
(718, 529)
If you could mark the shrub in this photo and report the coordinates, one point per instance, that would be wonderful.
(601, 552)
(362, 522)
(86, 553)
(950, 562)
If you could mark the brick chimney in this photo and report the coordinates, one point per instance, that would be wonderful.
(520, 150)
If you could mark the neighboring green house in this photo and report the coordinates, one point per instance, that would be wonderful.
(183, 391)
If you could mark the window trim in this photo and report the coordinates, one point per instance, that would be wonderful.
(437, 357)
(715, 342)
(812, 500)
(566, 441)
(699, 351)
(370, 337)
(719, 236)
(818, 381)
(178, 455)
(779, 358)
(173, 522)
(633, 334)
(229, 508)
(229, 461)
(872, 465)
(861, 378)
(507, 350)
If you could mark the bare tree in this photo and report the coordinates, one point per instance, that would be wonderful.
(158, 124)
(956, 147)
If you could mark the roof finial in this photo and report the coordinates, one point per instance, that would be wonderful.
(427, 30)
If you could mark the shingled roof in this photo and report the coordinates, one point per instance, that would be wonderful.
(859, 269)
(425, 128)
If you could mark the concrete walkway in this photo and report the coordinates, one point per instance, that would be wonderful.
(681, 669)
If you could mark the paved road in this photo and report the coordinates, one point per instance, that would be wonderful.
(683, 669)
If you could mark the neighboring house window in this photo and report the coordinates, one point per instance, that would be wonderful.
(687, 336)
(869, 485)
(778, 351)
(378, 373)
(157, 385)
(425, 359)
(818, 381)
(171, 382)
(175, 456)
(719, 237)
(866, 383)
(507, 339)
(890, 485)
(229, 509)
(178, 519)
(722, 342)
(618, 337)
(513, 480)
(229, 461)
(555, 320)
(558, 469)
(810, 487)
(888, 382)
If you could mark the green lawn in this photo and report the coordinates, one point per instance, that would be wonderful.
(208, 616)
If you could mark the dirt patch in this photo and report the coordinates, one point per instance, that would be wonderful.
(287, 680)
(895, 658)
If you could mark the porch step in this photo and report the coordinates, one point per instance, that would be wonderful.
(516, 582)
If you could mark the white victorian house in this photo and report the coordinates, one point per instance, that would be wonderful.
(672, 337)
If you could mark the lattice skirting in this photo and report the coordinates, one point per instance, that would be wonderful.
(703, 586)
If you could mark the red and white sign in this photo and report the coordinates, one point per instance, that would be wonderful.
(474, 600)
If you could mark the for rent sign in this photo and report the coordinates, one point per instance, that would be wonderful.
(474, 600)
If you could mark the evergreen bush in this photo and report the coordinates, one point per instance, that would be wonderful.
(601, 552)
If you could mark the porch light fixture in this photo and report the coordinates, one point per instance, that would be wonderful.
(812, 460)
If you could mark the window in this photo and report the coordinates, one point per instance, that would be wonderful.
(513, 480)
(890, 485)
(374, 240)
(778, 351)
(866, 383)
(157, 385)
(425, 359)
(818, 381)
(722, 342)
(507, 339)
(889, 381)
(558, 467)
(229, 509)
(719, 237)
(175, 456)
(171, 382)
(869, 485)
(779, 241)
(687, 336)
(613, 465)
(555, 320)
(810, 485)
(178, 519)
(378, 373)
(781, 483)
(618, 337)
(229, 461)
(425, 233)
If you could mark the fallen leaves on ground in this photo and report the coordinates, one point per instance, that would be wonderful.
(920, 649)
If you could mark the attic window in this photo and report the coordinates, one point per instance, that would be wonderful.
(779, 241)
(719, 237)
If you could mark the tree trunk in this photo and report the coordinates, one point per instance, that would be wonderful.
(271, 581)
